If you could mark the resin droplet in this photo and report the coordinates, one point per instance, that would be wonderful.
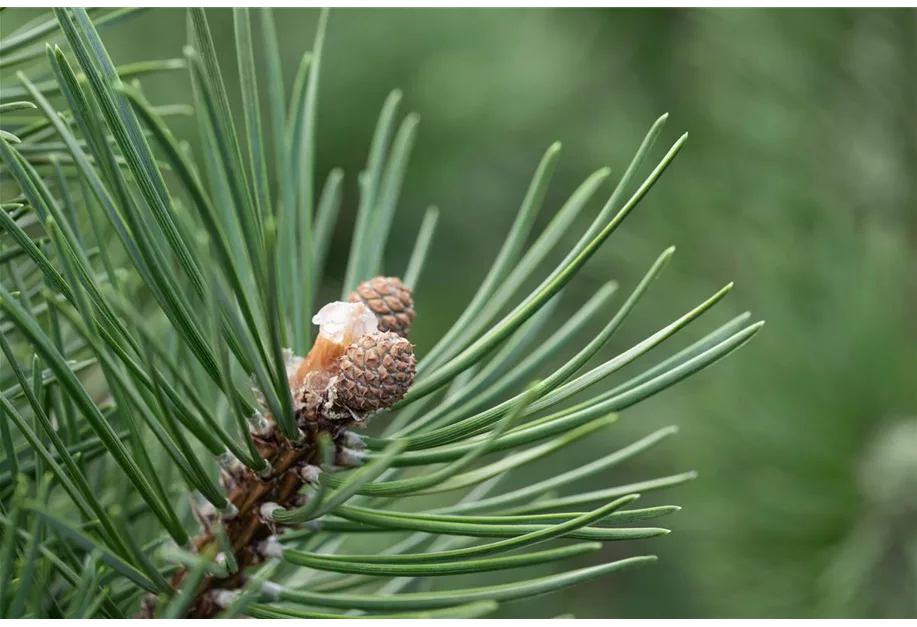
(343, 323)
(340, 325)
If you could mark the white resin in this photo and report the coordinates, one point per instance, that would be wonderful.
(339, 321)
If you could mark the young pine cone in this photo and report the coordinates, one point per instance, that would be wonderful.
(375, 373)
(391, 301)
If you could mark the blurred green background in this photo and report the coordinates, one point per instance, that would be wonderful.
(798, 182)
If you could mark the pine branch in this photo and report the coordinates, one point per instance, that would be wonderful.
(209, 453)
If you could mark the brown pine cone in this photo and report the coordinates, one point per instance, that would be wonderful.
(375, 373)
(390, 299)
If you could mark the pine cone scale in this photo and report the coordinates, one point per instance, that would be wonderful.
(391, 300)
(375, 372)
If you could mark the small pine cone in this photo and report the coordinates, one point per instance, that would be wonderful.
(390, 299)
(375, 373)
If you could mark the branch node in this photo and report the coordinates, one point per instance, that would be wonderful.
(265, 472)
(271, 590)
(352, 440)
(349, 458)
(259, 425)
(227, 461)
(224, 598)
(267, 509)
(229, 512)
(309, 474)
(270, 547)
